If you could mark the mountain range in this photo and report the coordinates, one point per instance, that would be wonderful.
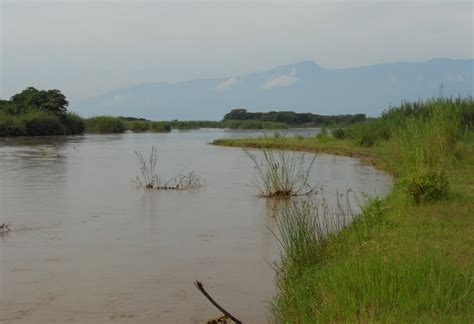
(300, 87)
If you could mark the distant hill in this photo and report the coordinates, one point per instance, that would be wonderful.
(301, 87)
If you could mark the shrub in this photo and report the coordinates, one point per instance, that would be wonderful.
(11, 126)
(426, 186)
(138, 126)
(339, 133)
(160, 127)
(40, 123)
(73, 123)
(104, 124)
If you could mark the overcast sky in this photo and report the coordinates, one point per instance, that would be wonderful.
(85, 48)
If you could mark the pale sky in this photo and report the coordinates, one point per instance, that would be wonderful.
(85, 48)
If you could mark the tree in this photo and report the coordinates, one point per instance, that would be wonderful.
(51, 101)
(237, 114)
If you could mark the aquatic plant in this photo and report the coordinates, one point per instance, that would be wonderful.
(282, 173)
(304, 227)
(148, 168)
(149, 177)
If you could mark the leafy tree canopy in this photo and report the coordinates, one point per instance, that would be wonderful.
(49, 101)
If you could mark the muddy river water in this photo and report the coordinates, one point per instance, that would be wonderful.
(88, 246)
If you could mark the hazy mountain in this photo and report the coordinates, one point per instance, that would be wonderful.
(302, 87)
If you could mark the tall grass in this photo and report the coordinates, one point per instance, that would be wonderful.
(104, 124)
(320, 282)
(35, 123)
(305, 227)
(282, 173)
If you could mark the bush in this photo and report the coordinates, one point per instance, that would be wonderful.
(73, 123)
(339, 133)
(40, 123)
(11, 126)
(426, 186)
(104, 124)
(160, 127)
(138, 126)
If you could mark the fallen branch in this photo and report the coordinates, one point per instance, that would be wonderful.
(4, 227)
(213, 302)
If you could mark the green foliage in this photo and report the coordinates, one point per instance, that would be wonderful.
(11, 125)
(300, 233)
(370, 132)
(73, 123)
(293, 118)
(38, 112)
(195, 124)
(50, 101)
(253, 124)
(397, 261)
(41, 123)
(138, 126)
(162, 127)
(104, 124)
(376, 289)
(426, 186)
(339, 133)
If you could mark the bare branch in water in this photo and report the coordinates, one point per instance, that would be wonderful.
(213, 302)
(4, 228)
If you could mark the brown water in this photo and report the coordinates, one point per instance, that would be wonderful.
(88, 246)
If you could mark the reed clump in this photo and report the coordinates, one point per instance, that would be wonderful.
(282, 173)
(150, 179)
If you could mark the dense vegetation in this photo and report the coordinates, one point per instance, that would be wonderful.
(232, 124)
(38, 112)
(408, 257)
(109, 124)
(294, 119)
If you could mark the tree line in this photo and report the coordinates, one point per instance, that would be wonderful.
(292, 118)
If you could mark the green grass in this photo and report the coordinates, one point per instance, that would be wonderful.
(399, 261)
(105, 124)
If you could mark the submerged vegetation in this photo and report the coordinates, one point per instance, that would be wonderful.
(150, 179)
(282, 173)
(407, 257)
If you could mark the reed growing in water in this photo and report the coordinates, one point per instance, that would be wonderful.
(150, 179)
(282, 173)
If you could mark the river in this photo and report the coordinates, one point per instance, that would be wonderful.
(88, 246)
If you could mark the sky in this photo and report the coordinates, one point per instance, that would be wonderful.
(86, 48)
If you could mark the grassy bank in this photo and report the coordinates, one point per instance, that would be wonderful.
(408, 257)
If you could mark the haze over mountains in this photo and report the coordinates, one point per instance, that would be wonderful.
(301, 87)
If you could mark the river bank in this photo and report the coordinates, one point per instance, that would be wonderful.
(400, 261)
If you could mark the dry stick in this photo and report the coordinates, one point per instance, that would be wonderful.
(213, 302)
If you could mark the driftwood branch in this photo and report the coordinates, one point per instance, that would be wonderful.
(213, 302)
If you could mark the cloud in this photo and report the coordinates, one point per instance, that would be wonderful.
(226, 84)
(284, 80)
